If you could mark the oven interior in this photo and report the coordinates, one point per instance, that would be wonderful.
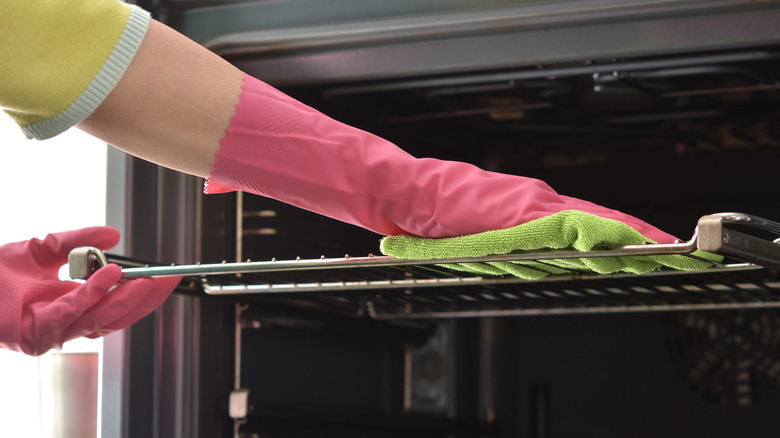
(667, 137)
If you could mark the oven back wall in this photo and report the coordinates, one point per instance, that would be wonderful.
(305, 368)
(637, 375)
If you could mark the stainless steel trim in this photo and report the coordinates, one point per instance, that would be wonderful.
(419, 41)
(444, 24)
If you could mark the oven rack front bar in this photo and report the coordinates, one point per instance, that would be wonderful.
(84, 260)
(713, 233)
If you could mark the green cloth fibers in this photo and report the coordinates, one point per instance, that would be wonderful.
(567, 230)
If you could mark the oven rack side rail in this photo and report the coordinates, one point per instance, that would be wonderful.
(714, 233)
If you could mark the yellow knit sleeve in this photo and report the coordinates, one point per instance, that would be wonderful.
(61, 58)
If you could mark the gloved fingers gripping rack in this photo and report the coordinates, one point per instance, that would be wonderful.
(746, 242)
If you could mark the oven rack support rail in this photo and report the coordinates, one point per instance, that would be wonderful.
(714, 233)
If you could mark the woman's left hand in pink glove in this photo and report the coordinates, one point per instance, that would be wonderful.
(38, 311)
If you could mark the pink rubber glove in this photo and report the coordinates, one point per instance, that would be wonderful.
(39, 312)
(280, 148)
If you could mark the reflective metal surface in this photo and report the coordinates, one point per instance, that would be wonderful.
(300, 41)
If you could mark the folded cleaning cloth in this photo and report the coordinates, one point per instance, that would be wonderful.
(570, 229)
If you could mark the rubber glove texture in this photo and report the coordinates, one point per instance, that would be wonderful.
(38, 311)
(278, 147)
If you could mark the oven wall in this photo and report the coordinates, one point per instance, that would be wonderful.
(170, 374)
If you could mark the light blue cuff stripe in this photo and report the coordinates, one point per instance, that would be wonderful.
(102, 84)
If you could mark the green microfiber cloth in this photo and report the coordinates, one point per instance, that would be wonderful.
(567, 230)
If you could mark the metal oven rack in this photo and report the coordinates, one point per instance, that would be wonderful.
(385, 288)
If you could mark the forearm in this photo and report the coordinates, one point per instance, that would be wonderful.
(173, 104)
(105, 67)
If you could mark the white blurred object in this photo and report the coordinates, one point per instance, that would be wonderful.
(41, 179)
(69, 396)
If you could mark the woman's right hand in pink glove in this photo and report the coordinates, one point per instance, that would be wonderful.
(278, 147)
(39, 312)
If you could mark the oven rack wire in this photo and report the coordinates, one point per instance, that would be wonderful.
(736, 287)
(381, 287)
